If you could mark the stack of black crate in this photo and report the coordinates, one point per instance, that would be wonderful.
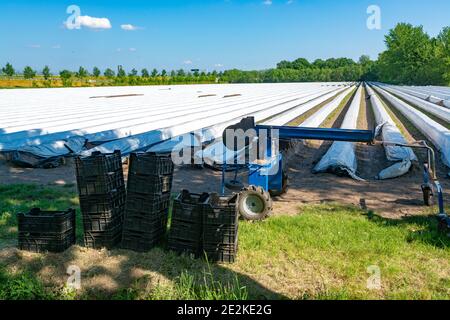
(220, 228)
(150, 177)
(186, 227)
(42, 231)
(102, 194)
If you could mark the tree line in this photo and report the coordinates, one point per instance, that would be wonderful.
(411, 57)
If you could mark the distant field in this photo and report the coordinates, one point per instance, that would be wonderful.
(56, 82)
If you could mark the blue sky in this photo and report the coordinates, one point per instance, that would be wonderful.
(205, 34)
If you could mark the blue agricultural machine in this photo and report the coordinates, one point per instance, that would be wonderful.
(267, 175)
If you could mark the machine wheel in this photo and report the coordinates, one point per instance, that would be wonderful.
(254, 203)
(427, 196)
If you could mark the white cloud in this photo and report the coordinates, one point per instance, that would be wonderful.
(56, 46)
(218, 65)
(34, 46)
(129, 27)
(132, 49)
(267, 2)
(94, 23)
(187, 62)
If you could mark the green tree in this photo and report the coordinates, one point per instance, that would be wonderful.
(133, 72)
(163, 73)
(46, 73)
(29, 73)
(66, 76)
(145, 73)
(284, 65)
(9, 70)
(300, 63)
(408, 57)
(443, 54)
(154, 73)
(109, 73)
(82, 73)
(96, 72)
(121, 73)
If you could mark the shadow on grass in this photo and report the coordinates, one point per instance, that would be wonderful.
(157, 274)
(423, 228)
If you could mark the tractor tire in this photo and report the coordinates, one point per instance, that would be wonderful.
(254, 204)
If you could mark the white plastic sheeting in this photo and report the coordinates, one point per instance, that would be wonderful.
(222, 120)
(341, 157)
(436, 133)
(110, 126)
(389, 131)
(321, 115)
(434, 95)
(138, 117)
(432, 108)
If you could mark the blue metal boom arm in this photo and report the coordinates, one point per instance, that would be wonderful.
(326, 134)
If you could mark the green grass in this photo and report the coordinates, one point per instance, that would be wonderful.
(322, 253)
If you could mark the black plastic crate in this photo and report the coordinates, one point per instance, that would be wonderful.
(98, 164)
(146, 224)
(186, 231)
(188, 206)
(39, 221)
(138, 204)
(227, 256)
(99, 240)
(150, 164)
(100, 184)
(109, 204)
(102, 223)
(141, 242)
(46, 242)
(149, 184)
(221, 210)
(219, 236)
(183, 246)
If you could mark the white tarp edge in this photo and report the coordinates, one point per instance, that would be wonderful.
(341, 158)
(435, 132)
